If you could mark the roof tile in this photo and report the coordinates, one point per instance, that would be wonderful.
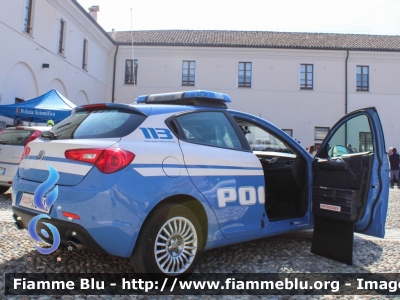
(262, 39)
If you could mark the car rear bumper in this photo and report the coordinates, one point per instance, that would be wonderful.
(109, 207)
(10, 171)
(71, 234)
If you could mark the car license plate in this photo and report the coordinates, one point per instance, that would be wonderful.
(2, 171)
(27, 201)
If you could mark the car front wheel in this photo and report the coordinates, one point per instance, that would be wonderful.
(170, 242)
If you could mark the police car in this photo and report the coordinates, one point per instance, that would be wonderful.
(12, 143)
(174, 174)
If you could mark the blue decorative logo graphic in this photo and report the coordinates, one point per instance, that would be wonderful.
(42, 205)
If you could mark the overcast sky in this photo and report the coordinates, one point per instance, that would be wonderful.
(337, 16)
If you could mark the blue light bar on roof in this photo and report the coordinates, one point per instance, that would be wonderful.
(141, 99)
(207, 94)
(199, 94)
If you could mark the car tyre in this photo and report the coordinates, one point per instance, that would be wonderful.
(4, 189)
(169, 243)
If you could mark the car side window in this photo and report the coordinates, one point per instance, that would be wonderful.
(261, 140)
(353, 136)
(209, 128)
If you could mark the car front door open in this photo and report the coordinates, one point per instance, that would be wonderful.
(350, 185)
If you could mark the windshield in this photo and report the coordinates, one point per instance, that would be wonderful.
(98, 124)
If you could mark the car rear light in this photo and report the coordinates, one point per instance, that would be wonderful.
(33, 136)
(85, 155)
(71, 215)
(106, 160)
(26, 152)
(113, 160)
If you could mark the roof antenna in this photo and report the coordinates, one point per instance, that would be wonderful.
(134, 68)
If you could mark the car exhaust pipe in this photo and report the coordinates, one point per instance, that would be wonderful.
(16, 224)
(75, 245)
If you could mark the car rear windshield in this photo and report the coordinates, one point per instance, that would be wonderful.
(98, 124)
(14, 137)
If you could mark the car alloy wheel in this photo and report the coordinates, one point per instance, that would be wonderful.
(176, 245)
(173, 233)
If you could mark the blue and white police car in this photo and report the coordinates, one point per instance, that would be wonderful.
(174, 174)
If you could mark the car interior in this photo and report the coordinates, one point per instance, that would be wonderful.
(285, 174)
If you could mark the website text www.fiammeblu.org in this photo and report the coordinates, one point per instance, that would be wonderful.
(218, 284)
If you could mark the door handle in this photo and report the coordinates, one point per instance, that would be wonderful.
(272, 160)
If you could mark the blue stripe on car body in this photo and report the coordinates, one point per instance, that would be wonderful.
(58, 159)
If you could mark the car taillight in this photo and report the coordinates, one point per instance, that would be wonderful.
(26, 152)
(71, 215)
(106, 160)
(85, 155)
(33, 136)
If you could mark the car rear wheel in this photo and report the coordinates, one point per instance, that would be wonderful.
(169, 243)
(4, 189)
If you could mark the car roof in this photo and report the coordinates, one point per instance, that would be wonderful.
(167, 103)
(146, 109)
(26, 127)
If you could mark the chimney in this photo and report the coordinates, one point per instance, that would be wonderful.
(93, 11)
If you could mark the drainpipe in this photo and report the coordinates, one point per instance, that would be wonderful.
(346, 100)
(345, 76)
(115, 65)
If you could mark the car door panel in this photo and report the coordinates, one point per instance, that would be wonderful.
(282, 171)
(363, 175)
(228, 175)
(350, 188)
(221, 175)
(342, 182)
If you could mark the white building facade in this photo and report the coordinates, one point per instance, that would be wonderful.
(303, 83)
(51, 44)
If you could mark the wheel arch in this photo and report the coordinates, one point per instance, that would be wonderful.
(192, 204)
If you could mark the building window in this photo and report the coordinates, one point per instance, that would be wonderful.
(320, 133)
(188, 71)
(18, 122)
(85, 54)
(130, 73)
(365, 142)
(306, 76)
(244, 74)
(61, 38)
(288, 131)
(362, 78)
(28, 17)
